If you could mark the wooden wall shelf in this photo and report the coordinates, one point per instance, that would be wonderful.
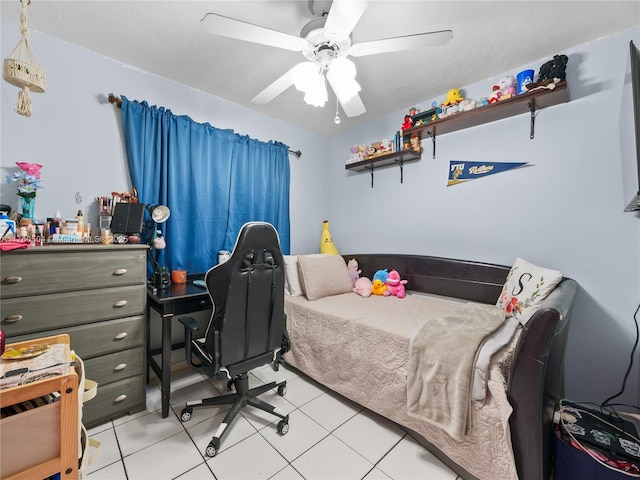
(528, 102)
(394, 158)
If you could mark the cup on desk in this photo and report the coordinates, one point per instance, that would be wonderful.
(179, 277)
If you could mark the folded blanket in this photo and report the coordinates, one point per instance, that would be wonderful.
(441, 359)
(7, 245)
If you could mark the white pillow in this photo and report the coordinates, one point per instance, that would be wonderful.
(525, 288)
(292, 284)
(291, 279)
(324, 276)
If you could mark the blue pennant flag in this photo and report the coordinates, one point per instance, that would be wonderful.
(461, 171)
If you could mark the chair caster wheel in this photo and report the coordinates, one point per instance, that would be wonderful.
(185, 415)
(275, 366)
(283, 427)
(231, 384)
(211, 450)
(282, 390)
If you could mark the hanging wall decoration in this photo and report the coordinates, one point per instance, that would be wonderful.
(21, 68)
(461, 171)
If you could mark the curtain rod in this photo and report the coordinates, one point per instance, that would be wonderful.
(118, 103)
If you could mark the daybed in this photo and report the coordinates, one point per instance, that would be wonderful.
(359, 347)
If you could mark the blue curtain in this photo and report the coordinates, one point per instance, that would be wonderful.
(212, 180)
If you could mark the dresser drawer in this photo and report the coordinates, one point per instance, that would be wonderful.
(114, 400)
(43, 312)
(100, 338)
(46, 271)
(115, 366)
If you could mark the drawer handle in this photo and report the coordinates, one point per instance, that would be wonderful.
(13, 279)
(120, 398)
(120, 303)
(120, 335)
(203, 302)
(13, 318)
(120, 366)
(120, 271)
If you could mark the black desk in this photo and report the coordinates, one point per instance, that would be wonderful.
(175, 300)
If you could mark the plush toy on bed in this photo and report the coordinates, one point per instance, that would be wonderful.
(354, 273)
(395, 286)
(381, 275)
(363, 287)
(378, 287)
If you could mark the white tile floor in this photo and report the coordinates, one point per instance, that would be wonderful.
(329, 438)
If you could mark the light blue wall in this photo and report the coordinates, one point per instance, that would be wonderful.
(564, 211)
(76, 134)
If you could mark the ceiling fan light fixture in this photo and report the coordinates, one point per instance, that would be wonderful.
(309, 78)
(317, 94)
(304, 75)
(341, 75)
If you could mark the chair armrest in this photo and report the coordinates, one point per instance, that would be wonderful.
(190, 326)
(190, 323)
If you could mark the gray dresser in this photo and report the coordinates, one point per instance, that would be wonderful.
(96, 294)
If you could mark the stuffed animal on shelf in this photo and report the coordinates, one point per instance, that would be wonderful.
(555, 68)
(504, 89)
(453, 97)
(363, 287)
(408, 123)
(381, 275)
(378, 287)
(551, 72)
(395, 286)
(466, 105)
(354, 273)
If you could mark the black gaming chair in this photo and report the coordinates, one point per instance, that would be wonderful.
(247, 328)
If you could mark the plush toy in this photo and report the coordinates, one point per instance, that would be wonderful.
(408, 123)
(326, 242)
(466, 105)
(395, 286)
(354, 273)
(386, 145)
(381, 275)
(555, 68)
(504, 89)
(363, 287)
(378, 287)
(551, 72)
(453, 97)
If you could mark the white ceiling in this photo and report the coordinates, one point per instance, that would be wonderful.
(166, 38)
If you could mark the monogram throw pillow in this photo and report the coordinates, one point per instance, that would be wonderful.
(526, 287)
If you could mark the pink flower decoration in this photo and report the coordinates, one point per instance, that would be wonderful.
(512, 305)
(30, 168)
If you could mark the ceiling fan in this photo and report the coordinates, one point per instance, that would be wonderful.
(325, 42)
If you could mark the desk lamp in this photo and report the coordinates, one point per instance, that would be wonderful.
(159, 214)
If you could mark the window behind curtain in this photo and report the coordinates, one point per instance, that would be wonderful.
(212, 180)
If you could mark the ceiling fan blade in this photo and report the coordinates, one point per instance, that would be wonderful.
(354, 107)
(275, 89)
(396, 44)
(343, 17)
(231, 28)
